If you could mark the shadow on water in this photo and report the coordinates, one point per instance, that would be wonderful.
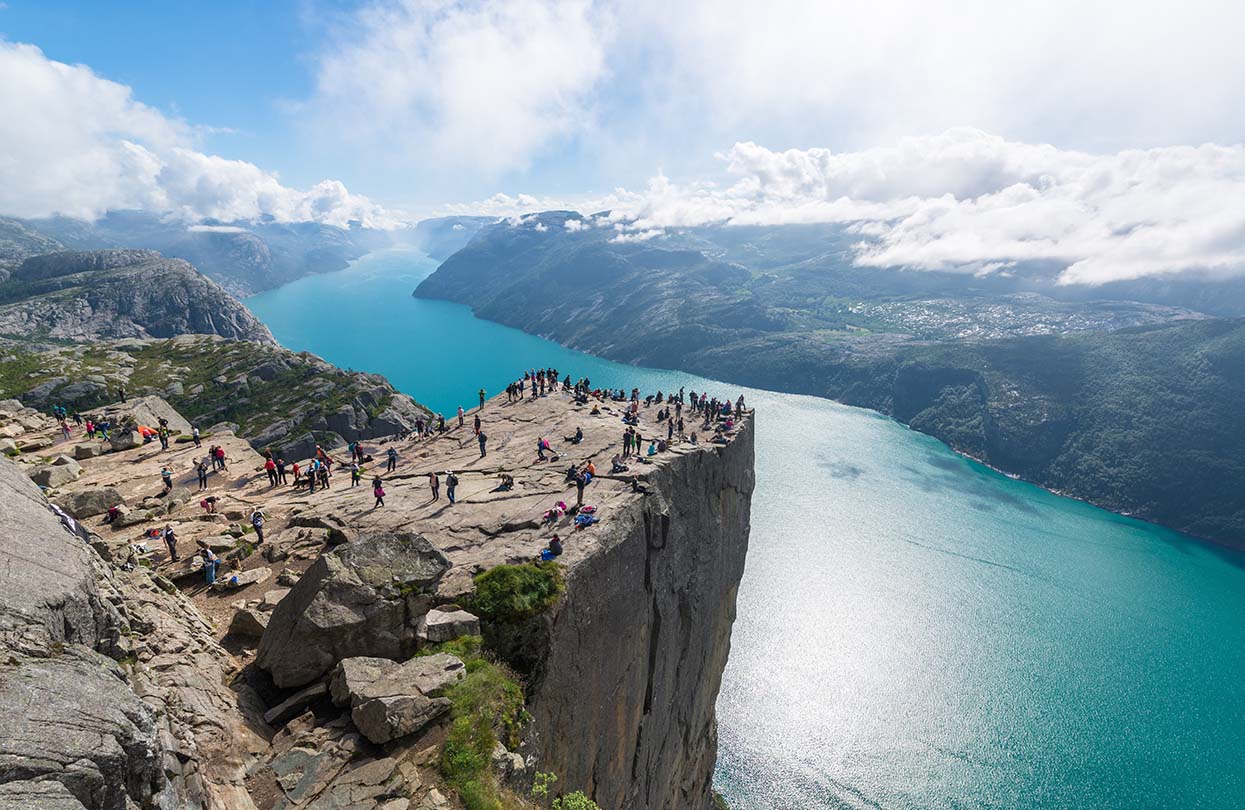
(842, 470)
(965, 478)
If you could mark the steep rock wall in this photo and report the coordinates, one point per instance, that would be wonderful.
(623, 703)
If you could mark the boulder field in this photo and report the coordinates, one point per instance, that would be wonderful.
(321, 670)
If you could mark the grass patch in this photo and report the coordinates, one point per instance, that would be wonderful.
(510, 593)
(487, 708)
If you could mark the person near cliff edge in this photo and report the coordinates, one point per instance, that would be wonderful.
(481, 397)
(461, 412)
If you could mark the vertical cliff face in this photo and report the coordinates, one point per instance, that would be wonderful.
(624, 702)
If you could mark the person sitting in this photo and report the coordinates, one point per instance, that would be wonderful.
(507, 483)
(571, 472)
(114, 512)
(577, 438)
(616, 465)
(596, 410)
(652, 448)
(553, 550)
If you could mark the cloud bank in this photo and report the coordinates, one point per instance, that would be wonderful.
(966, 201)
(76, 144)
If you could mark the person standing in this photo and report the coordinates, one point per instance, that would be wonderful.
(378, 491)
(481, 397)
(170, 540)
(392, 464)
(257, 523)
(281, 477)
(483, 440)
(194, 436)
(270, 467)
(581, 481)
(211, 563)
(460, 415)
(166, 477)
(201, 468)
(355, 474)
(451, 483)
(477, 423)
(434, 483)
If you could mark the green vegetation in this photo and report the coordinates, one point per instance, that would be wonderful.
(487, 707)
(267, 391)
(572, 801)
(510, 593)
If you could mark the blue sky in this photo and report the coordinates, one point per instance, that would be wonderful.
(227, 63)
(966, 133)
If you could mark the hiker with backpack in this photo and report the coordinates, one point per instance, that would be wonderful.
(257, 523)
(451, 482)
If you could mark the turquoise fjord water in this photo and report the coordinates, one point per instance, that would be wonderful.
(914, 630)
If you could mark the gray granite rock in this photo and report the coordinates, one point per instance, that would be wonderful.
(359, 600)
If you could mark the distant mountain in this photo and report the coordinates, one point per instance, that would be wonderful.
(443, 236)
(244, 258)
(18, 241)
(1135, 406)
(655, 301)
(100, 294)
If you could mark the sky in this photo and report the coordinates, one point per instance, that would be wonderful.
(1106, 136)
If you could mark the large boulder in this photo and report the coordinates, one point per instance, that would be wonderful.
(357, 680)
(84, 451)
(389, 700)
(89, 503)
(248, 622)
(126, 440)
(363, 599)
(443, 624)
(146, 411)
(52, 476)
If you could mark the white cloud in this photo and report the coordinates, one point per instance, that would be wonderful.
(76, 144)
(478, 85)
(968, 201)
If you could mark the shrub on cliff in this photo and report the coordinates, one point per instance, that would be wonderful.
(512, 593)
(487, 705)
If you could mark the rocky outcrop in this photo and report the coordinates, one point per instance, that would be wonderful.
(289, 402)
(110, 685)
(643, 633)
(364, 599)
(103, 294)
